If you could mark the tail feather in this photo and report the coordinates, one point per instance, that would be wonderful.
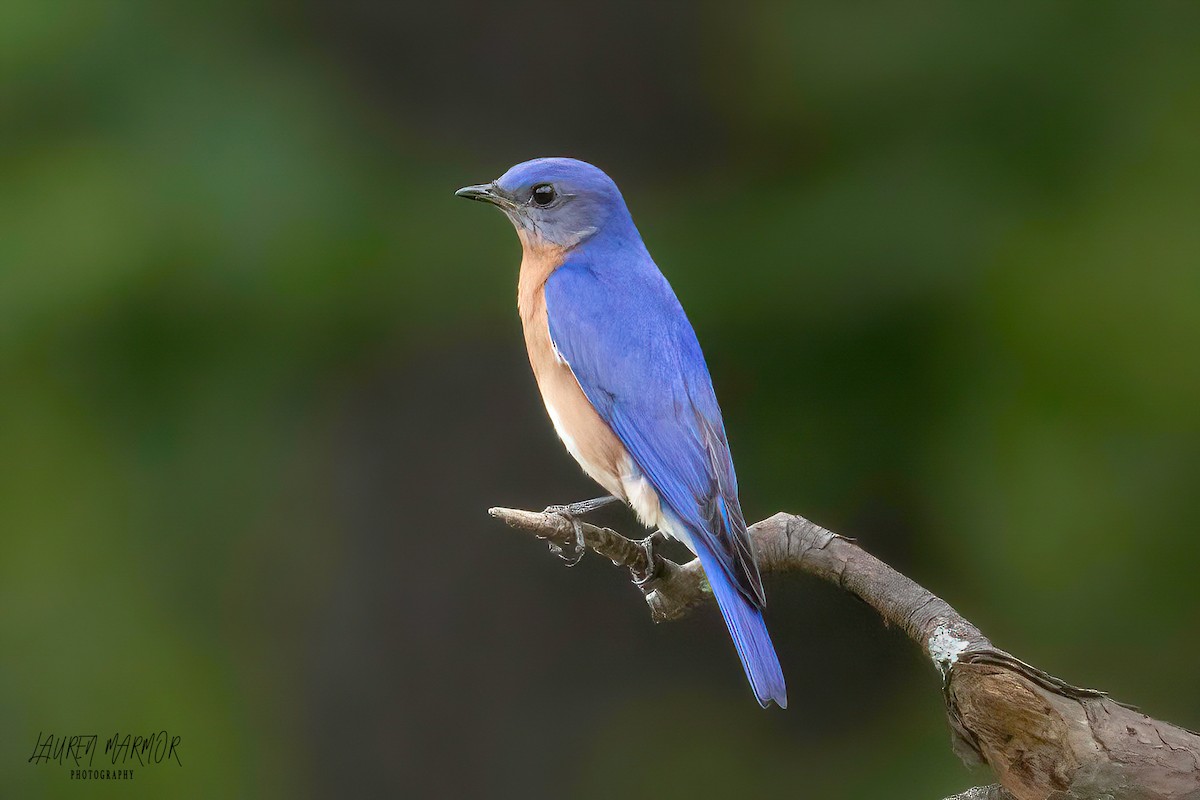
(749, 632)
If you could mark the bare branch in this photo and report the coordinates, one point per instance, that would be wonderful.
(1043, 737)
(784, 542)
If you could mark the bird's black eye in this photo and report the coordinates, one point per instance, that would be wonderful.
(543, 194)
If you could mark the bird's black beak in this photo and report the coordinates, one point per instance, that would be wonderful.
(486, 192)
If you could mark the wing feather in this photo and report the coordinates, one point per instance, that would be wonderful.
(635, 355)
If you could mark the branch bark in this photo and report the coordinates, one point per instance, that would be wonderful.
(1043, 738)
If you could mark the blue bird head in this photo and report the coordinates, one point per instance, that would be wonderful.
(556, 202)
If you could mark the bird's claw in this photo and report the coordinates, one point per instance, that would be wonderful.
(572, 558)
(644, 578)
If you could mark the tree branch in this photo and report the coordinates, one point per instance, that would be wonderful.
(1041, 736)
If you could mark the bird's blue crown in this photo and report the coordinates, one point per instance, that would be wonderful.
(563, 201)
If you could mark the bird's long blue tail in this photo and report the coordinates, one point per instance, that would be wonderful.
(749, 632)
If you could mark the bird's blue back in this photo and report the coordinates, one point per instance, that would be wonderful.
(618, 324)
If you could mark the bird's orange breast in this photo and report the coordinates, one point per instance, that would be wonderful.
(588, 437)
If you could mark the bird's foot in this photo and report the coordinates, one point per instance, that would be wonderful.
(645, 577)
(571, 514)
(578, 549)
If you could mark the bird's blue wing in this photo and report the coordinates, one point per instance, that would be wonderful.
(626, 338)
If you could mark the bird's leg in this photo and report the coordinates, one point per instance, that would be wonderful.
(582, 507)
(571, 514)
(643, 579)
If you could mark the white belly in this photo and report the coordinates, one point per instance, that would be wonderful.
(625, 481)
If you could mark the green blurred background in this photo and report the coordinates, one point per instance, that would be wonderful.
(262, 375)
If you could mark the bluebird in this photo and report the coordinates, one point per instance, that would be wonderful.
(626, 385)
